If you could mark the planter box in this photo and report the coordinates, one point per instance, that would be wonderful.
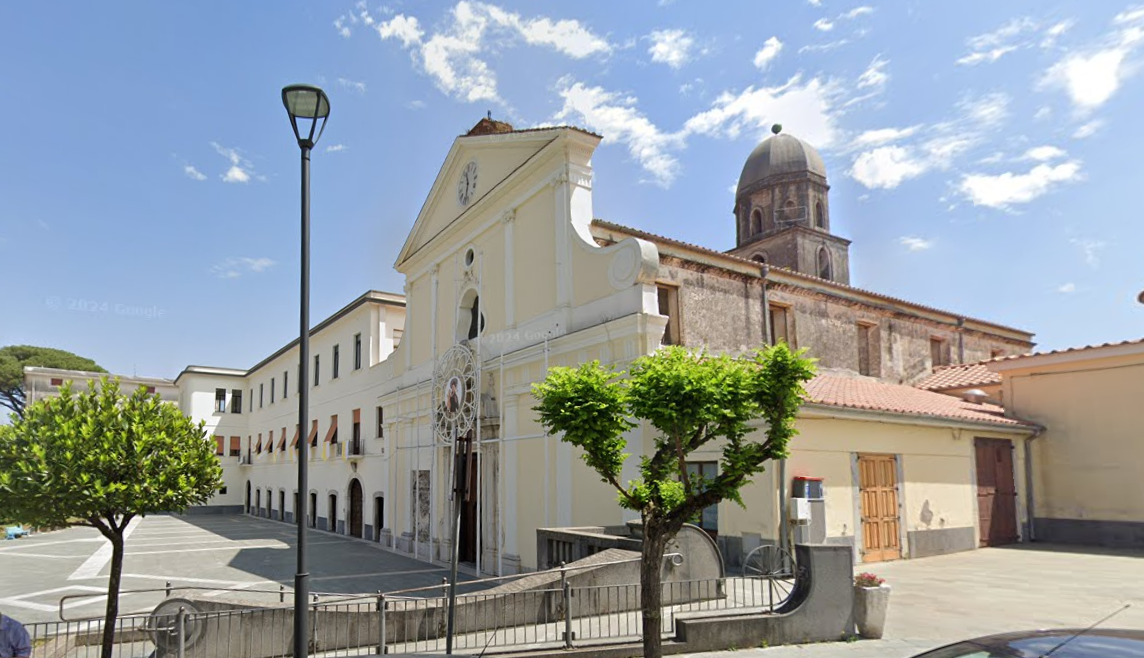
(870, 604)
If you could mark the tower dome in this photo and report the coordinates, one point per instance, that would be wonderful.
(777, 156)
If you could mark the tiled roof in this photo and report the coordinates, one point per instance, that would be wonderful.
(870, 394)
(959, 376)
(1067, 350)
(659, 238)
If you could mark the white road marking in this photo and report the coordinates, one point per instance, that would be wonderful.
(19, 602)
(9, 549)
(48, 555)
(278, 545)
(102, 556)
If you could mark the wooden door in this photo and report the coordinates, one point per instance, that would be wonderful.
(881, 524)
(470, 525)
(355, 508)
(996, 492)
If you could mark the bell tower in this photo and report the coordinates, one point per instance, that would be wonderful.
(782, 210)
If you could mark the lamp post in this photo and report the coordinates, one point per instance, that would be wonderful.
(304, 103)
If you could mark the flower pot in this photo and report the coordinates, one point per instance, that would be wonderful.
(870, 605)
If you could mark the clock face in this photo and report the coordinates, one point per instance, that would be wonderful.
(467, 184)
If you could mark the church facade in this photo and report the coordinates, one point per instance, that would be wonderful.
(508, 271)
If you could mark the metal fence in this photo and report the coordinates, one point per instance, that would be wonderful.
(553, 616)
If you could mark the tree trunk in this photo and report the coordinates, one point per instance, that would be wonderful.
(116, 538)
(651, 588)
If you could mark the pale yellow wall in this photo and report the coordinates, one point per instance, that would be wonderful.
(534, 256)
(1087, 464)
(936, 465)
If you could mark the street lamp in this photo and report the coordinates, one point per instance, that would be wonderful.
(309, 105)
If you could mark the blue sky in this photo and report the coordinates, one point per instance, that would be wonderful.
(982, 155)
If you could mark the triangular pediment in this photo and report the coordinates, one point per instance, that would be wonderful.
(497, 157)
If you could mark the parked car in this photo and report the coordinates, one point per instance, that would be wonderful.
(1059, 643)
(16, 531)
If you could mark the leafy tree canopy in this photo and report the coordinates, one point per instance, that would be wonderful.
(742, 407)
(14, 358)
(100, 458)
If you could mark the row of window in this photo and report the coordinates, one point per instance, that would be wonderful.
(236, 394)
(256, 446)
(779, 317)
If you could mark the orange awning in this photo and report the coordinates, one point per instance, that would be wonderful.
(282, 441)
(332, 434)
(258, 448)
(235, 445)
(294, 443)
(357, 415)
(313, 437)
(218, 445)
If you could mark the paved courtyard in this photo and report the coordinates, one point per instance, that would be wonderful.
(947, 598)
(201, 551)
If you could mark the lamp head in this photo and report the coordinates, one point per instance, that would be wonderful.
(306, 103)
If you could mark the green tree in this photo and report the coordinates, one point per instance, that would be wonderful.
(99, 458)
(744, 406)
(13, 358)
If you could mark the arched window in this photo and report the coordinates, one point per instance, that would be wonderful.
(790, 212)
(756, 221)
(476, 321)
(759, 258)
(824, 269)
(819, 216)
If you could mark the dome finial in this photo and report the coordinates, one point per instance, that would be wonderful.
(777, 128)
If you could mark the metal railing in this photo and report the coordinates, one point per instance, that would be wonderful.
(553, 613)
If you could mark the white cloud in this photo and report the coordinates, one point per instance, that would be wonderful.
(416, 105)
(990, 109)
(804, 108)
(453, 56)
(346, 83)
(671, 47)
(240, 171)
(1043, 112)
(232, 268)
(342, 28)
(193, 173)
(916, 150)
(335, 148)
(769, 51)
(1066, 288)
(880, 136)
(887, 167)
(815, 3)
(1017, 34)
(1005, 190)
(1044, 153)
(1091, 250)
(401, 27)
(874, 76)
(823, 47)
(1088, 130)
(1092, 76)
(857, 11)
(823, 25)
(616, 117)
(914, 243)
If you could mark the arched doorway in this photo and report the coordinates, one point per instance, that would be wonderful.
(248, 497)
(355, 508)
(258, 501)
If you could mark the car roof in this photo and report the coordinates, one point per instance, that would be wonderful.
(1109, 642)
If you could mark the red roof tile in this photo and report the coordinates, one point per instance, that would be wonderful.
(871, 394)
(959, 376)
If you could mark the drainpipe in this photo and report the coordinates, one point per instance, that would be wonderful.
(764, 270)
(961, 340)
(1029, 508)
(783, 522)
